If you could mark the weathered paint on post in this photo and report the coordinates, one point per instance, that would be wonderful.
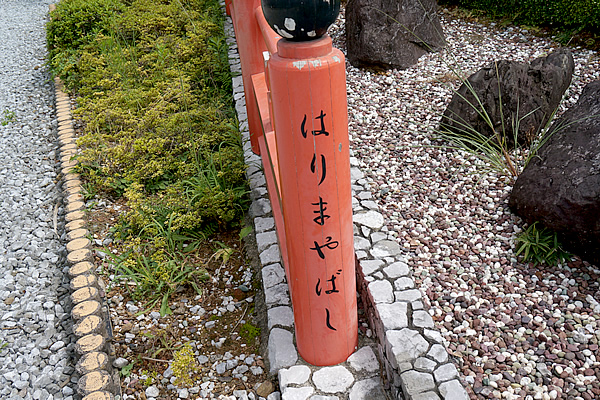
(308, 92)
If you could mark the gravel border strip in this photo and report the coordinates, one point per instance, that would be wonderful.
(411, 352)
(415, 361)
(99, 380)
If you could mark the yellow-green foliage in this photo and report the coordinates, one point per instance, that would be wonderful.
(184, 365)
(154, 93)
(150, 377)
(249, 332)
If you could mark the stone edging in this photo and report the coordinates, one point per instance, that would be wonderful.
(99, 381)
(412, 354)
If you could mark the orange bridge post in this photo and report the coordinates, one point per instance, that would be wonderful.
(307, 82)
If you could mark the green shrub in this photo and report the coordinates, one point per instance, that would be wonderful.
(154, 93)
(561, 14)
(74, 24)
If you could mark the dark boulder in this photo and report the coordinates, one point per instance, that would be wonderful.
(388, 33)
(510, 92)
(561, 185)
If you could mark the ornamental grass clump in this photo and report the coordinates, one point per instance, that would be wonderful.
(540, 245)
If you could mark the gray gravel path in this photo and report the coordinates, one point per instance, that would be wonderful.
(35, 355)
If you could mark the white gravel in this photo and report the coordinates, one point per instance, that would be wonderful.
(515, 331)
(35, 341)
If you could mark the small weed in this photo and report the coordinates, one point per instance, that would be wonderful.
(184, 365)
(155, 281)
(160, 342)
(249, 332)
(126, 370)
(540, 246)
(89, 190)
(245, 231)
(148, 377)
(8, 117)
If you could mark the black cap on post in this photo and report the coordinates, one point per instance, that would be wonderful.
(300, 20)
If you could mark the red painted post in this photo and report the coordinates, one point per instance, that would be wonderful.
(250, 46)
(308, 91)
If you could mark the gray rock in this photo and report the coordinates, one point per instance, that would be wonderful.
(220, 368)
(169, 372)
(260, 208)
(381, 291)
(20, 384)
(270, 255)
(272, 275)
(274, 396)
(302, 393)
(391, 34)
(408, 295)
(265, 239)
(368, 389)
(360, 243)
(415, 382)
(263, 224)
(152, 391)
(560, 187)
(364, 359)
(406, 345)
(438, 353)
(298, 375)
(202, 359)
(256, 370)
(445, 373)
(277, 295)
(385, 248)
(370, 266)
(356, 174)
(393, 316)
(240, 394)
(427, 396)
(283, 316)
(121, 362)
(397, 270)
(332, 379)
(282, 352)
(510, 91)
(404, 283)
(257, 180)
(241, 369)
(422, 319)
(425, 364)
(453, 390)
(433, 335)
(370, 219)
(231, 364)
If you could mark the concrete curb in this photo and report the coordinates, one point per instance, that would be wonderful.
(99, 381)
(411, 354)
